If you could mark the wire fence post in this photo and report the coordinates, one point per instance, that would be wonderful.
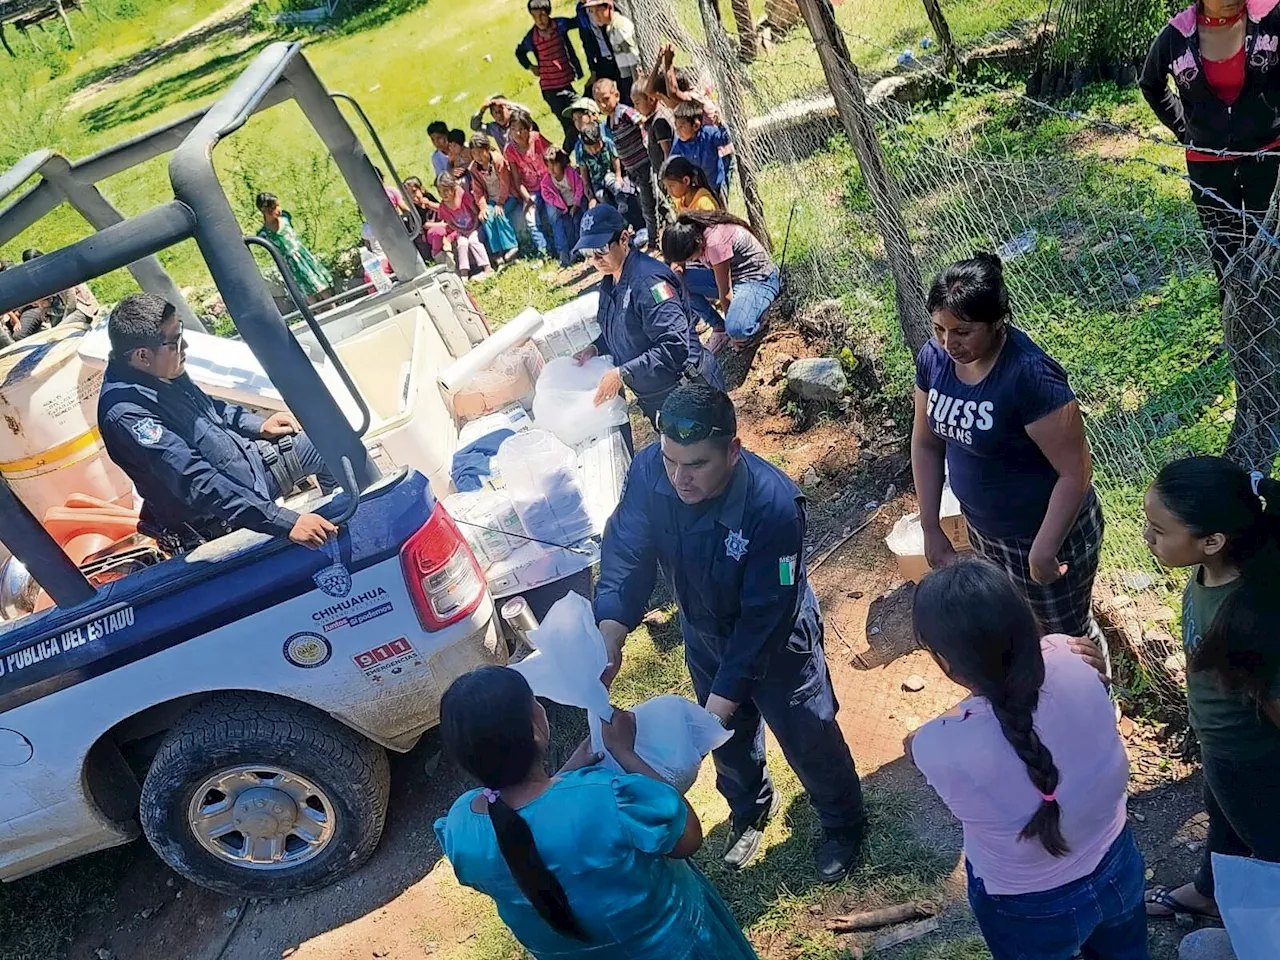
(933, 9)
(851, 104)
(747, 41)
(724, 66)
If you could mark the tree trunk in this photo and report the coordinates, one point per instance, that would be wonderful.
(781, 15)
(846, 88)
(943, 34)
(724, 66)
(748, 45)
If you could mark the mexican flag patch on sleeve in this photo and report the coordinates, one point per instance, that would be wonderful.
(787, 571)
(662, 292)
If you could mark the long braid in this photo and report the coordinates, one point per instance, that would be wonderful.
(985, 635)
(1015, 714)
(536, 882)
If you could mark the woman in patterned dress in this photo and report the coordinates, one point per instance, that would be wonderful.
(277, 227)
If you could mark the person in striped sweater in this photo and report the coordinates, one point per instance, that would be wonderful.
(554, 62)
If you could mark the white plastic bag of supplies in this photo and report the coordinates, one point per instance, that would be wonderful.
(568, 657)
(673, 734)
(564, 401)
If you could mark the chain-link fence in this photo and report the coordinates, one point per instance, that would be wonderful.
(1085, 199)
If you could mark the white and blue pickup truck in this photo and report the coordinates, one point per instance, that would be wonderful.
(237, 701)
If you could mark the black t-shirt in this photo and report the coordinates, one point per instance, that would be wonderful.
(657, 129)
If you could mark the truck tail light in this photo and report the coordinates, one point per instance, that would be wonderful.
(445, 582)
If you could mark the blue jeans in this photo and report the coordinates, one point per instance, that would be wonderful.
(529, 223)
(1100, 917)
(565, 226)
(749, 303)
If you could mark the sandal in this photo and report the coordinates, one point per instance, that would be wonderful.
(1163, 897)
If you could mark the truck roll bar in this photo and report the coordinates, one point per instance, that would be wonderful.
(195, 183)
(116, 246)
(43, 558)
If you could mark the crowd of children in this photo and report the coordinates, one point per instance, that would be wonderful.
(652, 145)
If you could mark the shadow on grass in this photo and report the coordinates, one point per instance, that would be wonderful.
(189, 85)
(121, 70)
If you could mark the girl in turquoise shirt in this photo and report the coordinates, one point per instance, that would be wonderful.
(587, 863)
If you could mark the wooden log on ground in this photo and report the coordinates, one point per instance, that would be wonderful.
(882, 917)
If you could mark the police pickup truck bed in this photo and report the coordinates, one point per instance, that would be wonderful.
(237, 700)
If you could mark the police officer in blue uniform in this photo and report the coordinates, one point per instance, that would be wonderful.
(727, 530)
(203, 467)
(645, 323)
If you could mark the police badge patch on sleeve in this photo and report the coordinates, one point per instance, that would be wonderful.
(146, 431)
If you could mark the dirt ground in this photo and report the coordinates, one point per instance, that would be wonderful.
(847, 468)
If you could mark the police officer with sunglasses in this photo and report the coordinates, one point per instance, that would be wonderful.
(203, 467)
(645, 323)
(727, 530)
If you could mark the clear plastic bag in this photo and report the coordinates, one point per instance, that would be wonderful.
(485, 518)
(564, 402)
(541, 477)
(509, 379)
(673, 734)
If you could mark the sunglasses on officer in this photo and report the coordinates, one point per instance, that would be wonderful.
(688, 430)
(599, 253)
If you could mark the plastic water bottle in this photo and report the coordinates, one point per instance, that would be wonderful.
(373, 268)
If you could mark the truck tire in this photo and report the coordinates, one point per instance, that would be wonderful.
(255, 796)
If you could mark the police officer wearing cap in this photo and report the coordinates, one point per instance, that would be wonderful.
(203, 467)
(727, 530)
(645, 324)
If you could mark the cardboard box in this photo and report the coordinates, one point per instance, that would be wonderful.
(952, 520)
(906, 543)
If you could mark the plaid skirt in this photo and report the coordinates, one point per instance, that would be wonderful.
(1064, 606)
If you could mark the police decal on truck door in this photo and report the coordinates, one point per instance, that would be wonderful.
(69, 639)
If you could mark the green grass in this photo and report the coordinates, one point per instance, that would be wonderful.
(41, 914)
(772, 897)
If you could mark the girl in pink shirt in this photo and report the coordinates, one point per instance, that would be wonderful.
(1033, 767)
(458, 209)
(524, 153)
(565, 197)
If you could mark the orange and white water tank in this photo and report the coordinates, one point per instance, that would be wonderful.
(50, 447)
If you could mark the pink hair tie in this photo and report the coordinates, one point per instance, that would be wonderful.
(1049, 797)
(491, 795)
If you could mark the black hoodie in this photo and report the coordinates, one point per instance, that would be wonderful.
(1192, 110)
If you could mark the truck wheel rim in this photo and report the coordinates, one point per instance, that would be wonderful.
(261, 817)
